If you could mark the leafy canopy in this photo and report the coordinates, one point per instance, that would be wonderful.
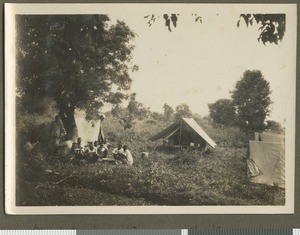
(273, 126)
(223, 112)
(251, 98)
(183, 111)
(134, 110)
(168, 111)
(80, 61)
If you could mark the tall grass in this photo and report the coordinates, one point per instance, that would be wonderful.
(166, 177)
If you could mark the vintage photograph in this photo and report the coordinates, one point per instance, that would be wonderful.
(175, 108)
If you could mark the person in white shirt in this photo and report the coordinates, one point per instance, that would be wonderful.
(91, 153)
(128, 159)
(118, 152)
(97, 147)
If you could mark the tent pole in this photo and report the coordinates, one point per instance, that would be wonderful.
(180, 133)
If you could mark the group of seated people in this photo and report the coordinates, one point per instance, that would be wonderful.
(95, 150)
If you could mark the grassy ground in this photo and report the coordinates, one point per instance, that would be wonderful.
(166, 177)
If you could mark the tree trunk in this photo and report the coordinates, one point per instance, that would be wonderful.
(68, 119)
(72, 133)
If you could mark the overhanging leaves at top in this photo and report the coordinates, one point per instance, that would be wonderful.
(272, 26)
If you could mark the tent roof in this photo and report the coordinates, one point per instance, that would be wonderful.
(194, 125)
(169, 131)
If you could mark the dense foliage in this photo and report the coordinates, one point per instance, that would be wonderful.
(275, 127)
(128, 115)
(251, 97)
(168, 111)
(223, 112)
(80, 61)
(183, 111)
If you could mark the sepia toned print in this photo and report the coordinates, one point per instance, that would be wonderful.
(170, 109)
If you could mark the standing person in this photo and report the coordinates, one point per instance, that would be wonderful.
(57, 133)
(128, 159)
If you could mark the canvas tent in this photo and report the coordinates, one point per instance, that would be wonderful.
(89, 131)
(185, 132)
(266, 153)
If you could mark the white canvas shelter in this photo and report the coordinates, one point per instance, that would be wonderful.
(267, 152)
(87, 130)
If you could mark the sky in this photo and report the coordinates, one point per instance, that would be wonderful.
(199, 63)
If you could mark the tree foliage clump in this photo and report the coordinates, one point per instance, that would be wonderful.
(168, 111)
(251, 98)
(77, 60)
(275, 127)
(272, 26)
(183, 111)
(223, 112)
(134, 110)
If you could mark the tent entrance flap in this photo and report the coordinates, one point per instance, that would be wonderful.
(171, 133)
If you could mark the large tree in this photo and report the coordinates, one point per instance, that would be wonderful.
(251, 97)
(223, 112)
(80, 61)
